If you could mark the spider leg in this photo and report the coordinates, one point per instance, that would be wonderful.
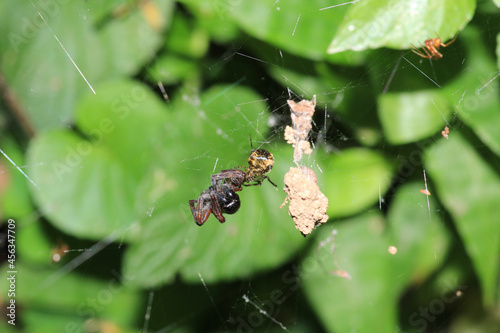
(437, 55)
(199, 215)
(253, 182)
(451, 41)
(269, 179)
(259, 182)
(193, 209)
(427, 55)
(216, 208)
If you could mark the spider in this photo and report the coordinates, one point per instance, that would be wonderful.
(431, 48)
(220, 197)
(260, 163)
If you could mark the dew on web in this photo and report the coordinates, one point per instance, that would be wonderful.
(63, 48)
(264, 312)
(147, 315)
(19, 169)
(341, 4)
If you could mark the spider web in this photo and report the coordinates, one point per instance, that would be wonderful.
(272, 300)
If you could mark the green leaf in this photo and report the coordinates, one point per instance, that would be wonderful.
(400, 24)
(8, 328)
(32, 242)
(171, 69)
(475, 92)
(370, 297)
(15, 201)
(43, 321)
(354, 180)
(310, 83)
(141, 26)
(497, 51)
(259, 236)
(340, 302)
(85, 194)
(418, 233)
(411, 116)
(299, 27)
(187, 39)
(71, 295)
(210, 16)
(48, 93)
(88, 188)
(104, 185)
(470, 190)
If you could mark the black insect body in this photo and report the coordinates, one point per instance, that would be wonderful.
(219, 198)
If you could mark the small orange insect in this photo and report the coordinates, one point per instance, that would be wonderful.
(426, 192)
(445, 132)
(431, 48)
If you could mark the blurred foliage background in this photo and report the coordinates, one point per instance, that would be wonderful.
(115, 114)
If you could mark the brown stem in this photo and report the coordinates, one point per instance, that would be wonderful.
(15, 106)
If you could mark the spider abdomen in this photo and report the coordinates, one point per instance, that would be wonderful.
(229, 201)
